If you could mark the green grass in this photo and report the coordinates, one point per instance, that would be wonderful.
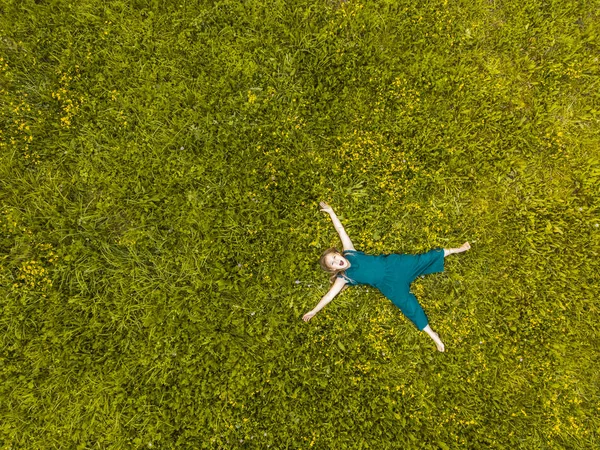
(161, 165)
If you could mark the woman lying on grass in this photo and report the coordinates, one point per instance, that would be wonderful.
(391, 274)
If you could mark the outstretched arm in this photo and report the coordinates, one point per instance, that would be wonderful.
(335, 290)
(346, 242)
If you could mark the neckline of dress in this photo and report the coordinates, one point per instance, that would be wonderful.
(354, 262)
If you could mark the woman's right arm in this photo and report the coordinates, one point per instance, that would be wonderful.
(346, 242)
(335, 290)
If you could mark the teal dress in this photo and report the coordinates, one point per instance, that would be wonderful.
(392, 275)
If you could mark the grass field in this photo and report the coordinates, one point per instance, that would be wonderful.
(161, 167)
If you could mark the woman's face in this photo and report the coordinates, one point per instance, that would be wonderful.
(336, 261)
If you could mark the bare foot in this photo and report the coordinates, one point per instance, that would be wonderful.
(438, 343)
(436, 338)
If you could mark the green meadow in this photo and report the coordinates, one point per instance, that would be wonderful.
(161, 167)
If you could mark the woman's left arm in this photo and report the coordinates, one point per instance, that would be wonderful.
(346, 242)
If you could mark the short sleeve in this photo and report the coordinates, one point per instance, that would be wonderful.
(348, 280)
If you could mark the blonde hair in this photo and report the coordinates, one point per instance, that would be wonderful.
(334, 272)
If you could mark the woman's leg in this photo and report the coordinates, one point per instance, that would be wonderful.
(438, 342)
(463, 248)
(410, 307)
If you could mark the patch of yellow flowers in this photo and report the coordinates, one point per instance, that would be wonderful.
(32, 276)
(68, 103)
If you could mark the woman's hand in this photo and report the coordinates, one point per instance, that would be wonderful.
(308, 316)
(326, 208)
